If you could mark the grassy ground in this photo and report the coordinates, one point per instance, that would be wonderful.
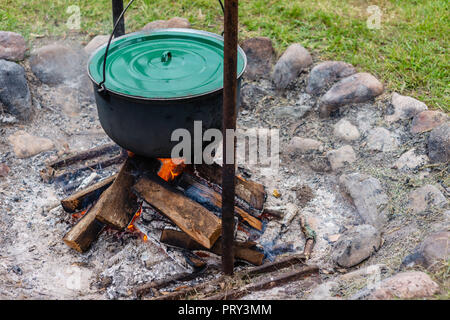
(409, 52)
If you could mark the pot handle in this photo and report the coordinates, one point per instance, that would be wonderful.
(101, 85)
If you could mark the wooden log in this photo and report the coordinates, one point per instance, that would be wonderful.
(212, 198)
(121, 205)
(83, 198)
(242, 250)
(199, 223)
(86, 231)
(266, 284)
(251, 192)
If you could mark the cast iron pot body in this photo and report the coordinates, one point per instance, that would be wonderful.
(145, 126)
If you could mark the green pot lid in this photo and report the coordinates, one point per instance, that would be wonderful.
(163, 64)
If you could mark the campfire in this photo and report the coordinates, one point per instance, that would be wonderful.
(188, 195)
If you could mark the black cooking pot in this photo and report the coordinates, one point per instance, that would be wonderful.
(156, 82)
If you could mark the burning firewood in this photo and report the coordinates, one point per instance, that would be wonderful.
(84, 197)
(242, 250)
(214, 199)
(251, 192)
(86, 231)
(121, 205)
(199, 223)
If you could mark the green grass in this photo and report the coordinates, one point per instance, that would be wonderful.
(409, 53)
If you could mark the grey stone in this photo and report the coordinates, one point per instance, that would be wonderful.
(346, 131)
(12, 46)
(57, 63)
(260, 57)
(95, 43)
(326, 73)
(175, 22)
(427, 120)
(425, 198)
(14, 91)
(25, 145)
(304, 145)
(356, 245)
(291, 63)
(360, 87)
(368, 197)
(434, 249)
(341, 157)
(405, 107)
(381, 139)
(439, 144)
(406, 285)
(410, 160)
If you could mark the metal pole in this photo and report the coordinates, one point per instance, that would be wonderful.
(229, 122)
(117, 8)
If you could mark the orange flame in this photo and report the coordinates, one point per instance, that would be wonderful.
(132, 227)
(170, 169)
(79, 215)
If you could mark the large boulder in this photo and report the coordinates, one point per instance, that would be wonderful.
(368, 197)
(439, 144)
(360, 87)
(406, 285)
(356, 245)
(427, 120)
(326, 73)
(56, 63)
(295, 59)
(405, 107)
(14, 91)
(12, 46)
(260, 57)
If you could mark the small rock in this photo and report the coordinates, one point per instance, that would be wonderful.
(4, 170)
(406, 285)
(303, 145)
(425, 198)
(356, 245)
(260, 57)
(381, 139)
(324, 291)
(26, 145)
(434, 249)
(346, 131)
(175, 22)
(56, 63)
(410, 161)
(439, 144)
(360, 87)
(405, 107)
(292, 112)
(12, 46)
(326, 73)
(95, 43)
(291, 63)
(14, 90)
(341, 157)
(427, 120)
(368, 197)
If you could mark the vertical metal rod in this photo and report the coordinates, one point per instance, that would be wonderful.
(117, 8)
(229, 122)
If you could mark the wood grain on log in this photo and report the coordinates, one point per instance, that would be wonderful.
(251, 192)
(122, 204)
(205, 194)
(199, 223)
